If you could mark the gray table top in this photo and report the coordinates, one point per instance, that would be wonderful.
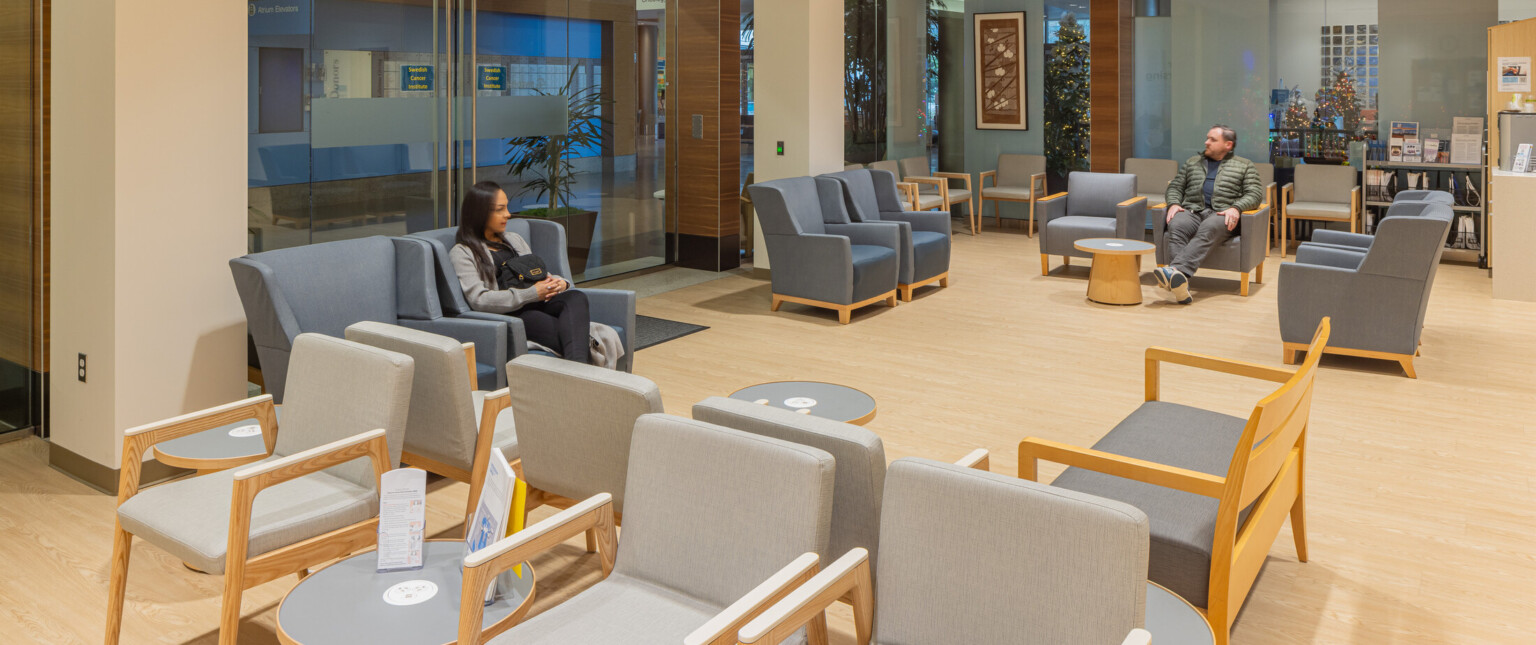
(231, 441)
(1113, 245)
(344, 602)
(1171, 619)
(825, 400)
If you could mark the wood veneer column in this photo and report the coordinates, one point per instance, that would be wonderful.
(704, 85)
(1111, 92)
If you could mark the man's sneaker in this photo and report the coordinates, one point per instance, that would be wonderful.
(1161, 273)
(1179, 285)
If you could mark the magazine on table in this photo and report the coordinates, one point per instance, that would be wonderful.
(489, 522)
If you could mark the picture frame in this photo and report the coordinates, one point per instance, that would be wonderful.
(1002, 88)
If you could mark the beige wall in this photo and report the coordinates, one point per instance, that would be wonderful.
(149, 164)
(799, 91)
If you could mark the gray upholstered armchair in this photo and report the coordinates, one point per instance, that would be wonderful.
(1096, 204)
(1361, 242)
(870, 196)
(1243, 252)
(1322, 193)
(975, 557)
(325, 287)
(1431, 196)
(819, 263)
(612, 307)
(1377, 299)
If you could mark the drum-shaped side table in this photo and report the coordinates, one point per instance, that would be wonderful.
(350, 602)
(825, 400)
(1115, 278)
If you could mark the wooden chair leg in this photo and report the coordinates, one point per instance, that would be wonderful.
(1244, 290)
(776, 302)
(1407, 363)
(843, 316)
(1260, 273)
(906, 292)
(229, 606)
(944, 282)
(122, 547)
(1066, 260)
(891, 301)
(975, 215)
(1045, 264)
(1284, 242)
(1299, 507)
(592, 540)
(1288, 356)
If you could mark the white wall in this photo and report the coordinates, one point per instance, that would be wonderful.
(1512, 10)
(799, 93)
(150, 105)
(1294, 35)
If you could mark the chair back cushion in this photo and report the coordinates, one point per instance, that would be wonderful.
(1266, 172)
(441, 422)
(916, 167)
(1433, 196)
(1095, 194)
(1324, 183)
(324, 287)
(788, 206)
(891, 166)
(852, 166)
(858, 194)
(1152, 175)
(974, 557)
(449, 292)
(416, 296)
(713, 512)
(1015, 170)
(887, 195)
(574, 423)
(859, 454)
(337, 389)
(1408, 247)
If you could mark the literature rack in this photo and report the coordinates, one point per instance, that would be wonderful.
(1382, 179)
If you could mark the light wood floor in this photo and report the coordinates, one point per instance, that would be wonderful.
(1419, 500)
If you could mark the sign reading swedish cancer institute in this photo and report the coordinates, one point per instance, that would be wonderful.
(415, 78)
(493, 77)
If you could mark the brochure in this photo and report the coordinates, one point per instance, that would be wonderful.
(489, 522)
(402, 519)
(1467, 140)
(1522, 158)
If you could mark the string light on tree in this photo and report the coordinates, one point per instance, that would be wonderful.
(1066, 100)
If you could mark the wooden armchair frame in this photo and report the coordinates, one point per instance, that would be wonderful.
(917, 184)
(971, 215)
(1036, 188)
(1267, 472)
(595, 514)
(241, 573)
(1288, 195)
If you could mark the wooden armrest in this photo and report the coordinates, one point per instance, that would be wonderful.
(1138, 637)
(138, 439)
(272, 473)
(1158, 355)
(979, 459)
(722, 628)
(480, 567)
(965, 176)
(1051, 197)
(849, 575)
(474, 375)
(1130, 201)
(932, 181)
(1033, 449)
(1288, 193)
(1037, 177)
(982, 178)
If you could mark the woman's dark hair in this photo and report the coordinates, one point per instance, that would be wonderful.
(473, 214)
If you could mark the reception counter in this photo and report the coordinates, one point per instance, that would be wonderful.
(1514, 215)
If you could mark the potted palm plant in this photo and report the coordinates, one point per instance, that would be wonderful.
(548, 162)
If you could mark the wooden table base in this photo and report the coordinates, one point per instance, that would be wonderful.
(1115, 279)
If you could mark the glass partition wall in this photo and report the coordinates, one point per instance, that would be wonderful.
(373, 117)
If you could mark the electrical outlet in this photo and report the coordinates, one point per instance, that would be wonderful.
(80, 369)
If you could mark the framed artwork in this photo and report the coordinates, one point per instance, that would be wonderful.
(1002, 98)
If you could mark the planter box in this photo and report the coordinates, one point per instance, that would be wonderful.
(579, 226)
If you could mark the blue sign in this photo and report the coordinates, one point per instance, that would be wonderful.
(492, 77)
(415, 78)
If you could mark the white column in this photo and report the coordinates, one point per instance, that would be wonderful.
(148, 206)
(799, 93)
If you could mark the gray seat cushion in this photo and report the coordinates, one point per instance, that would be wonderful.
(1005, 192)
(1079, 227)
(1321, 210)
(506, 431)
(959, 195)
(1183, 524)
(189, 518)
(619, 609)
(926, 241)
(928, 201)
(867, 258)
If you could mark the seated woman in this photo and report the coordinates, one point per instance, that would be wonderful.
(552, 315)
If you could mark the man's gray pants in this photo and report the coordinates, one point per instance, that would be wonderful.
(1192, 235)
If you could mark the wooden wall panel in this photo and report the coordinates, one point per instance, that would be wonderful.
(703, 79)
(20, 208)
(1112, 82)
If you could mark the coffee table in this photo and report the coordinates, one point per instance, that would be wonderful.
(1171, 619)
(345, 602)
(1115, 278)
(226, 446)
(825, 400)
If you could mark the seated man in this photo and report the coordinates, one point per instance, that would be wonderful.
(1205, 200)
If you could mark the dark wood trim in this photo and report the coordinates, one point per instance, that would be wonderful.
(103, 478)
(1112, 84)
(704, 80)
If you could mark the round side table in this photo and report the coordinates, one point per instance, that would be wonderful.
(1115, 278)
(350, 602)
(226, 446)
(825, 400)
(1171, 619)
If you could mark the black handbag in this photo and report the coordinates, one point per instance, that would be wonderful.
(520, 272)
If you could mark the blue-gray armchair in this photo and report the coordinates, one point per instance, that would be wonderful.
(1401, 207)
(1243, 252)
(870, 196)
(830, 265)
(1096, 204)
(325, 287)
(1377, 299)
(612, 307)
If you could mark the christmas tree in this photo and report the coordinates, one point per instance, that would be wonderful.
(1066, 100)
(1295, 113)
(1340, 101)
